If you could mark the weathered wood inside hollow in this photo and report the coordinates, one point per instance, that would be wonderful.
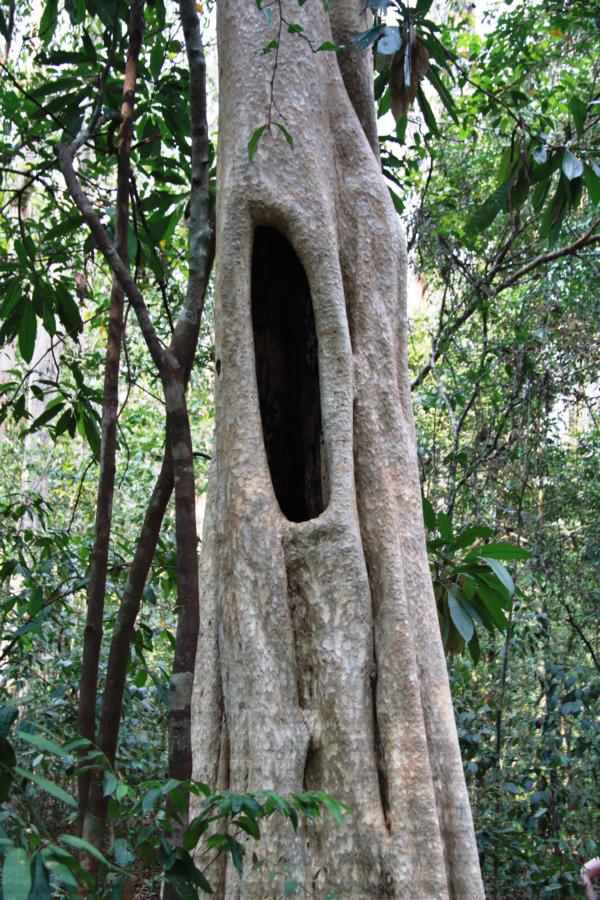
(287, 375)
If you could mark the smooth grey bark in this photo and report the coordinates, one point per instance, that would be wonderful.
(320, 663)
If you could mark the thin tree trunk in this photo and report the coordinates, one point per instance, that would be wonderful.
(320, 663)
(118, 659)
(92, 638)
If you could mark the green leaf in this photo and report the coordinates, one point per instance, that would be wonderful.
(384, 104)
(470, 535)
(286, 134)
(492, 602)
(427, 112)
(503, 551)
(445, 527)
(27, 331)
(41, 743)
(290, 887)
(7, 761)
(401, 126)
(53, 408)
(592, 182)
(48, 20)
(150, 799)
(329, 45)
(365, 38)
(578, 109)
(237, 853)
(8, 714)
(434, 76)
(429, 516)
(254, 141)
(79, 844)
(462, 621)
(68, 311)
(501, 573)
(109, 784)
(92, 434)
(40, 889)
(47, 786)
(485, 214)
(16, 875)
(474, 649)
(571, 166)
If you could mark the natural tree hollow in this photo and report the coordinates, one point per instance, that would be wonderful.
(287, 375)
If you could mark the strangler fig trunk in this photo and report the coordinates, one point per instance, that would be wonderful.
(320, 663)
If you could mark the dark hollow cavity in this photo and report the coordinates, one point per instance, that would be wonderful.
(287, 374)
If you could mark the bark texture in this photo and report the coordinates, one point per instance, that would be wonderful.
(320, 663)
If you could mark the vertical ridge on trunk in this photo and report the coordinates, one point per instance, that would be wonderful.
(320, 658)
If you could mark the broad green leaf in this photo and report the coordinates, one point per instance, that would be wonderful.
(485, 214)
(434, 76)
(41, 743)
(445, 526)
(67, 309)
(401, 126)
(254, 141)
(52, 409)
(578, 109)
(286, 134)
(462, 621)
(365, 38)
(16, 875)
(328, 46)
(474, 648)
(571, 166)
(237, 853)
(27, 331)
(8, 714)
(48, 20)
(493, 605)
(40, 889)
(592, 182)
(427, 112)
(501, 573)
(109, 783)
(503, 551)
(471, 534)
(429, 516)
(47, 786)
(80, 844)
(7, 763)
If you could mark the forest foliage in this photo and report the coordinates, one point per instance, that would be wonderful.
(494, 166)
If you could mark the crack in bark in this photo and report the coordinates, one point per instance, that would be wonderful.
(379, 754)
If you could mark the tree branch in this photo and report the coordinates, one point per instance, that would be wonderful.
(106, 247)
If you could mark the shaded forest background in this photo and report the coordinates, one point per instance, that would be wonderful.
(495, 171)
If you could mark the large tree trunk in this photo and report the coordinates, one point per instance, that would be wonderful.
(320, 663)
